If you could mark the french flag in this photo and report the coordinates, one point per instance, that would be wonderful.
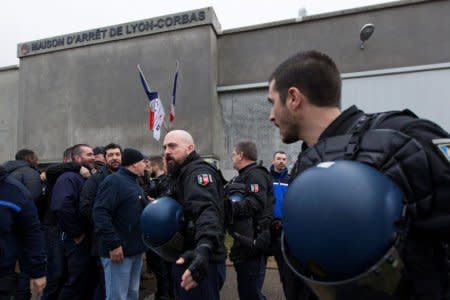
(155, 108)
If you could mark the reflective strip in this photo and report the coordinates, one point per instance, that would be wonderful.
(8, 204)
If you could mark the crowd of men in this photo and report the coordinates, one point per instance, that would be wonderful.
(89, 207)
(73, 231)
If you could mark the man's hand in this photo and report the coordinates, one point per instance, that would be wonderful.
(187, 282)
(37, 286)
(43, 176)
(116, 255)
(197, 270)
(79, 239)
(85, 172)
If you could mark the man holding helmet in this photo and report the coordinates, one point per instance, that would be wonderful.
(305, 95)
(200, 269)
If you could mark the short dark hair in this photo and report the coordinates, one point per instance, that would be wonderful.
(112, 146)
(99, 150)
(156, 160)
(314, 73)
(67, 153)
(278, 152)
(248, 149)
(76, 150)
(22, 154)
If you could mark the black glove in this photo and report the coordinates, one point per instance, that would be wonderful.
(261, 244)
(198, 261)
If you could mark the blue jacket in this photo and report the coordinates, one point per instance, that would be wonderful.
(280, 187)
(20, 233)
(65, 202)
(117, 211)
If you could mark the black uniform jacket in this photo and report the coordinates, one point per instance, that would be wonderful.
(199, 189)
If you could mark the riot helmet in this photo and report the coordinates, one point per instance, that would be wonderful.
(344, 223)
(161, 225)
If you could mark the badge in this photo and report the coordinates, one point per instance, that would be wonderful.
(254, 188)
(204, 179)
(443, 145)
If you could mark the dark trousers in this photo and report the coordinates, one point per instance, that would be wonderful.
(81, 273)
(8, 286)
(100, 289)
(250, 278)
(23, 291)
(209, 288)
(162, 271)
(294, 287)
(54, 247)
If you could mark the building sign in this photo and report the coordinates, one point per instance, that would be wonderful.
(119, 32)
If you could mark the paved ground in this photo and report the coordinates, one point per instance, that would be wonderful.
(272, 286)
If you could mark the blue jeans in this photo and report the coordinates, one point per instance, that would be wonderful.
(250, 278)
(209, 288)
(122, 279)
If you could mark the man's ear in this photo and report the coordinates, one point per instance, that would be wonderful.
(191, 148)
(295, 98)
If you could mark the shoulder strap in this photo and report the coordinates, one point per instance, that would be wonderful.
(395, 120)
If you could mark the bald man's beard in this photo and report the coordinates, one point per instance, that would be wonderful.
(172, 166)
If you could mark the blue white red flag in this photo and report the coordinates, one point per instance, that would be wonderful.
(157, 115)
(155, 109)
(174, 94)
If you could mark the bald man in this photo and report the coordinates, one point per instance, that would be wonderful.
(200, 271)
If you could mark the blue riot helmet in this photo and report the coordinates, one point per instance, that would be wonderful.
(234, 194)
(343, 225)
(161, 223)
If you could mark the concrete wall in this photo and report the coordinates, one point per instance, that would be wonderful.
(407, 33)
(90, 92)
(93, 94)
(9, 78)
(246, 117)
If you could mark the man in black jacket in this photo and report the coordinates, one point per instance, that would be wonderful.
(117, 209)
(200, 271)
(251, 244)
(24, 169)
(75, 234)
(305, 95)
(20, 236)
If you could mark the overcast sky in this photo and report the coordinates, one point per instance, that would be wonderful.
(28, 20)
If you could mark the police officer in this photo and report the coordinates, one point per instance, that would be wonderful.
(249, 247)
(305, 95)
(293, 287)
(199, 273)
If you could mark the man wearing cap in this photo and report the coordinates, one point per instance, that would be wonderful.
(117, 209)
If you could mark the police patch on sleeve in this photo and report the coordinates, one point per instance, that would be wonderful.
(254, 188)
(443, 145)
(204, 179)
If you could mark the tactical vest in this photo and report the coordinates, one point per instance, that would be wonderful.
(397, 155)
